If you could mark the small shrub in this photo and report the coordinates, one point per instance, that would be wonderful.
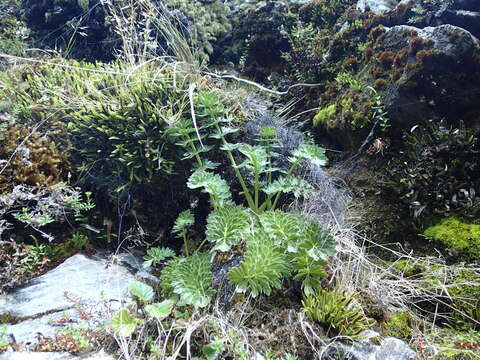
(437, 173)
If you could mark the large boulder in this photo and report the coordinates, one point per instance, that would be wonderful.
(461, 13)
(430, 73)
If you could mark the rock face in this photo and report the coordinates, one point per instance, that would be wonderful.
(438, 73)
(388, 349)
(461, 13)
(80, 290)
(53, 23)
(377, 6)
(53, 356)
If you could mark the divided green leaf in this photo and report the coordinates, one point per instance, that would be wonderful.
(190, 279)
(156, 255)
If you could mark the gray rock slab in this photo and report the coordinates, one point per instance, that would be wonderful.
(373, 346)
(82, 291)
(78, 278)
(23, 355)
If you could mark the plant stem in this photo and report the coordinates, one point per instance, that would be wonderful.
(185, 245)
(290, 172)
(239, 176)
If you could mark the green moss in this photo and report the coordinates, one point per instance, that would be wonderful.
(455, 234)
(84, 4)
(400, 325)
(410, 268)
(324, 116)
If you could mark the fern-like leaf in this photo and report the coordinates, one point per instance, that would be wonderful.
(211, 184)
(226, 225)
(289, 184)
(256, 157)
(184, 220)
(310, 152)
(283, 228)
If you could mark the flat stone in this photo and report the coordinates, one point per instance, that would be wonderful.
(24, 355)
(82, 290)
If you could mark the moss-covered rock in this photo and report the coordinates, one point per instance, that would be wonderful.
(455, 234)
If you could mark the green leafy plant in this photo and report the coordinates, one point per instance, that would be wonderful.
(184, 221)
(263, 267)
(437, 173)
(161, 310)
(336, 314)
(261, 181)
(156, 255)
(141, 292)
(189, 279)
(117, 116)
(226, 226)
(213, 185)
(212, 350)
(123, 324)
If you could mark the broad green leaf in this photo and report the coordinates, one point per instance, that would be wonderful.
(160, 310)
(214, 349)
(123, 324)
(141, 291)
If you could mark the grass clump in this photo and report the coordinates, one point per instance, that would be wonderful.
(456, 234)
(336, 313)
(117, 115)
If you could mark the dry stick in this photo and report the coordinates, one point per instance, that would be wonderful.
(191, 89)
(260, 86)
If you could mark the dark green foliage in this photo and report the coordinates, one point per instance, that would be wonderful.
(438, 171)
(117, 116)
